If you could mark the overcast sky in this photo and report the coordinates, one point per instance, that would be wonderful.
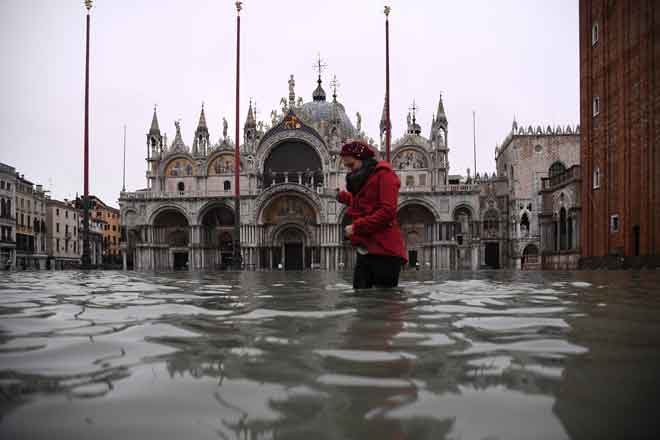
(500, 58)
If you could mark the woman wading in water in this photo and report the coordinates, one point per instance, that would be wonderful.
(372, 191)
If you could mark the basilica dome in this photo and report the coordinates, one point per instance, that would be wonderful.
(319, 112)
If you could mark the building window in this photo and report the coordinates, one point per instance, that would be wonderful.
(227, 185)
(58, 244)
(8, 186)
(57, 212)
(596, 178)
(596, 105)
(22, 219)
(66, 214)
(594, 34)
(556, 169)
(614, 223)
(2, 184)
(114, 228)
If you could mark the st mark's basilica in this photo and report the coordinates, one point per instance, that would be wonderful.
(289, 171)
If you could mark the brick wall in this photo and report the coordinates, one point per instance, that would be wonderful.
(622, 140)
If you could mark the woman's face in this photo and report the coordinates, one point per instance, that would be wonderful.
(351, 163)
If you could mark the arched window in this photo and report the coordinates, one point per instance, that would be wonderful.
(2, 208)
(556, 169)
(227, 185)
(181, 187)
(524, 225)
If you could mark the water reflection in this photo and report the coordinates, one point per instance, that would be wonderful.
(274, 355)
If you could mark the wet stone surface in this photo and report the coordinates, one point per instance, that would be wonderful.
(488, 355)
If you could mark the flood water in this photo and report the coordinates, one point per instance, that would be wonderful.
(262, 355)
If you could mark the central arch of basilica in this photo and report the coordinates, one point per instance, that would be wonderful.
(289, 171)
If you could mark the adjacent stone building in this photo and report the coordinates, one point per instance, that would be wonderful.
(31, 252)
(620, 117)
(63, 234)
(7, 217)
(108, 219)
(289, 172)
(526, 157)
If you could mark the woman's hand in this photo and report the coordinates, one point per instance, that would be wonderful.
(349, 231)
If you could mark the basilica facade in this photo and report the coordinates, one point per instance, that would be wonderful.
(290, 169)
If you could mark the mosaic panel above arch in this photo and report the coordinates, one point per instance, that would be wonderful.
(289, 208)
(409, 158)
(180, 167)
(222, 164)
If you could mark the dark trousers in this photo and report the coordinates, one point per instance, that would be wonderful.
(376, 270)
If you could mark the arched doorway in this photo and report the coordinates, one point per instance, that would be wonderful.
(530, 257)
(171, 227)
(416, 223)
(292, 241)
(289, 220)
(293, 161)
(216, 238)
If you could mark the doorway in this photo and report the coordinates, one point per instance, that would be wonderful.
(493, 255)
(293, 256)
(181, 261)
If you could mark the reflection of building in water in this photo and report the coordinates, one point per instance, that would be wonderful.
(290, 169)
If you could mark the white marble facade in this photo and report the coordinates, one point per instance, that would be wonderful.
(289, 172)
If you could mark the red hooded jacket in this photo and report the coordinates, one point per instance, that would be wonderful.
(373, 211)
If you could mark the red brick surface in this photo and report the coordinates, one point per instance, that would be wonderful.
(623, 140)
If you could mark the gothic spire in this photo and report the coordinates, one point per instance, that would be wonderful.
(201, 125)
(250, 121)
(440, 114)
(383, 118)
(155, 130)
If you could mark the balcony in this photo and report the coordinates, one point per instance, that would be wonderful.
(551, 183)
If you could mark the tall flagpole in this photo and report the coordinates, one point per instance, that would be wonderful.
(388, 128)
(86, 260)
(236, 260)
(123, 186)
(474, 140)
